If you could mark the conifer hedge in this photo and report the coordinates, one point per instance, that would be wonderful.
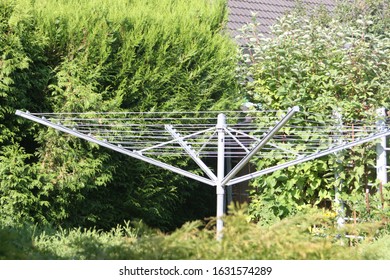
(100, 55)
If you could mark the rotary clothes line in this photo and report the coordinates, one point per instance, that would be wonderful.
(288, 138)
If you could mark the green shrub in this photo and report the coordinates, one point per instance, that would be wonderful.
(310, 235)
(324, 63)
(378, 250)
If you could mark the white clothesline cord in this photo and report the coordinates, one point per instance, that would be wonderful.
(145, 132)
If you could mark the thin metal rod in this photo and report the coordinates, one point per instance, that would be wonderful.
(116, 148)
(258, 140)
(307, 158)
(174, 140)
(191, 153)
(237, 141)
(264, 141)
(204, 144)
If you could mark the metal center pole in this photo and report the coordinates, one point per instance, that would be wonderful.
(381, 159)
(339, 204)
(221, 125)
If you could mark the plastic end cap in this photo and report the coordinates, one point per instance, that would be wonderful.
(296, 108)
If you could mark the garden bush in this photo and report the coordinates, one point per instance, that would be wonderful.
(326, 63)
